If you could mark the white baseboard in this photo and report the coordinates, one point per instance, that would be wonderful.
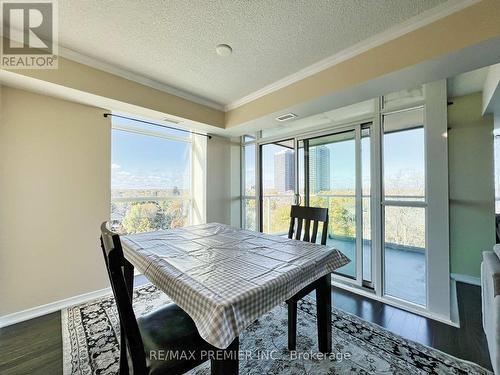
(34, 312)
(466, 279)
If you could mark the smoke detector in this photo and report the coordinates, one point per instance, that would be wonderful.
(286, 117)
(224, 50)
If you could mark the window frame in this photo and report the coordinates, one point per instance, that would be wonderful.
(243, 195)
(128, 128)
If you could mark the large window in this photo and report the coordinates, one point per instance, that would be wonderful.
(150, 178)
(404, 205)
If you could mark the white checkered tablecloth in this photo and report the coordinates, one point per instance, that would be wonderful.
(224, 277)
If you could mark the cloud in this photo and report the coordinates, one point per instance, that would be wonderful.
(115, 166)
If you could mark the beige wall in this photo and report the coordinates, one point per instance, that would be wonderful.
(471, 183)
(54, 193)
(90, 80)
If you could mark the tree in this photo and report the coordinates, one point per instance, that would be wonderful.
(140, 217)
(154, 215)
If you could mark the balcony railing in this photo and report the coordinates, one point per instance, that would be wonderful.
(404, 249)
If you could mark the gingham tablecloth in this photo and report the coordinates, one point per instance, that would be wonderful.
(224, 277)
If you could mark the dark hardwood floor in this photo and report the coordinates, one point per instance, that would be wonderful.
(35, 346)
(32, 347)
(467, 342)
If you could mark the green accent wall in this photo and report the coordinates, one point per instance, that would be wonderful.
(471, 184)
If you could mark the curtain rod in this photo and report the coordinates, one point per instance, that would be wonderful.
(156, 124)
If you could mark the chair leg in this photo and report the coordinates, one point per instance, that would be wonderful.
(128, 273)
(124, 370)
(292, 324)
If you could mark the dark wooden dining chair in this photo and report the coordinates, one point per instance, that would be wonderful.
(304, 224)
(168, 329)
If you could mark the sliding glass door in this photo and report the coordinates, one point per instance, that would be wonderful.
(336, 169)
(381, 177)
(404, 206)
(331, 170)
(278, 185)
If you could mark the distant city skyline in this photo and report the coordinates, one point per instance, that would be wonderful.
(319, 169)
(284, 170)
(404, 165)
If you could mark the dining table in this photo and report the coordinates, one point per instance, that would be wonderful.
(225, 278)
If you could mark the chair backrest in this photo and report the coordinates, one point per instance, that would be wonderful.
(298, 214)
(120, 273)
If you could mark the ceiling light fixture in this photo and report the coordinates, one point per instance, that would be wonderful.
(223, 50)
(286, 117)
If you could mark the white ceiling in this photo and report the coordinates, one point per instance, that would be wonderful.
(467, 83)
(173, 42)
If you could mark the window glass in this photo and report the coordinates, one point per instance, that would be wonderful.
(248, 138)
(249, 169)
(366, 203)
(249, 208)
(150, 182)
(278, 186)
(404, 208)
(249, 198)
(404, 156)
(332, 184)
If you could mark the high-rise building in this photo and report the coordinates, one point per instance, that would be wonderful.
(319, 169)
(284, 171)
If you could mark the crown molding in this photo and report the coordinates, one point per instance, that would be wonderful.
(423, 19)
(113, 69)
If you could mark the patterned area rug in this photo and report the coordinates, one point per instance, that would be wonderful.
(91, 336)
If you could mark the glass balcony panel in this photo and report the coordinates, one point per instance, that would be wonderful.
(404, 253)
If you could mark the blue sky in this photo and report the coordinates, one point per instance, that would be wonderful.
(404, 162)
(148, 162)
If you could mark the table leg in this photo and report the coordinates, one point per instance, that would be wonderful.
(292, 324)
(229, 365)
(324, 313)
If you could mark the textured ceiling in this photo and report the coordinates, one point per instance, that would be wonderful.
(173, 42)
